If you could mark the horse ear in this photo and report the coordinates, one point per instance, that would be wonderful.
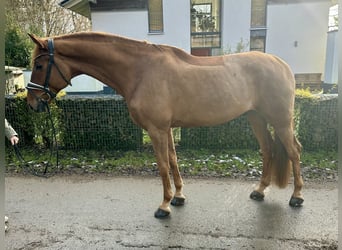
(37, 41)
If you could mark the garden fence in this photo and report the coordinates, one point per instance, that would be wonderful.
(103, 123)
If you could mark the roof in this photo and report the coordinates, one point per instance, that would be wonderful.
(85, 7)
(79, 6)
(103, 5)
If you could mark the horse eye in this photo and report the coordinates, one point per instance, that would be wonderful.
(39, 67)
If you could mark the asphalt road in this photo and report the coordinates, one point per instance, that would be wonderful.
(78, 212)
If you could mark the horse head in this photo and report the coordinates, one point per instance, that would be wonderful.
(49, 74)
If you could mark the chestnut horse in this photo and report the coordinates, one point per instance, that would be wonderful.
(165, 87)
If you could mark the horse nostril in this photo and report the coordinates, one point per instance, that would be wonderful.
(41, 107)
(31, 107)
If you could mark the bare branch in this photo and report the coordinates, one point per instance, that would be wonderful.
(45, 17)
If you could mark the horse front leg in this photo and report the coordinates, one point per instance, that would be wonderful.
(159, 140)
(179, 198)
(259, 127)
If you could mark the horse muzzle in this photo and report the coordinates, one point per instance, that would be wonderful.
(42, 106)
(39, 103)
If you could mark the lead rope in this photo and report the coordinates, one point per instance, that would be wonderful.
(53, 142)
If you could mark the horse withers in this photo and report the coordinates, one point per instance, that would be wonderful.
(165, 87)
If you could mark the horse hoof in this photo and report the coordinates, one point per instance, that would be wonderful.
(161, 214)
(177, 201)
(255, 195)
(296, 202)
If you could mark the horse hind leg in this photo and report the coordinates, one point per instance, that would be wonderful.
(259, 127)
(297, 198)
(179, 198)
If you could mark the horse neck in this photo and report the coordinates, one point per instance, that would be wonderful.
(108, 62)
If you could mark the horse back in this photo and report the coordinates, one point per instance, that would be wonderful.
(211, 91)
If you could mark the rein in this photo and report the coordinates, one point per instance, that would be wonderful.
(27, 164)
(44, 102)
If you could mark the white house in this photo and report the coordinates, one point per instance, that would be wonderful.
(15, 80)
(295, 30)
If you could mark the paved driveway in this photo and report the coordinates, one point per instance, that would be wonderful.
(77, 212)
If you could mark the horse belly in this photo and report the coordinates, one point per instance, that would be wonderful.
(200, 112)
(208, 101)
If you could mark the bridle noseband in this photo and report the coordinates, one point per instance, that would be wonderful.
(34, 86)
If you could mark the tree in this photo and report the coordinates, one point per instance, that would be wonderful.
(44, 17)
(17, 48)
(40, 17)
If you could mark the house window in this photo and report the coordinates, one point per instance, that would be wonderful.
(258, 39)
(155, 16)
(205, 24)
(258, 15)
(258, 25)
(105, 5)
(333, 18)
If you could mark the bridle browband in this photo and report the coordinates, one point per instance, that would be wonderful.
(34, 86)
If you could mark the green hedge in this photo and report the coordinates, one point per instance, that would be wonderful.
(104, 123)
(315, 121)
(81, 123)
(33, 128)
(98, 123)
(235, 134)
(317, 124)
(16, 113)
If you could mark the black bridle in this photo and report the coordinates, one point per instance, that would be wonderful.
(46, 89)
(43, 103)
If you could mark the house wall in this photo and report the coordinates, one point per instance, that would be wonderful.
(126, 23)
(236, 19)
(296, 29)
(134, 24)
(85, 84)
(297, 32)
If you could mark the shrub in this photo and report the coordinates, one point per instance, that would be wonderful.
(104, 123)
(236, 134)
(98, 123)
(81, 123)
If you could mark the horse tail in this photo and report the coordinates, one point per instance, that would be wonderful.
(280, 164)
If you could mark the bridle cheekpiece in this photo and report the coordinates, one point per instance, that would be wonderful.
(34, 86)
